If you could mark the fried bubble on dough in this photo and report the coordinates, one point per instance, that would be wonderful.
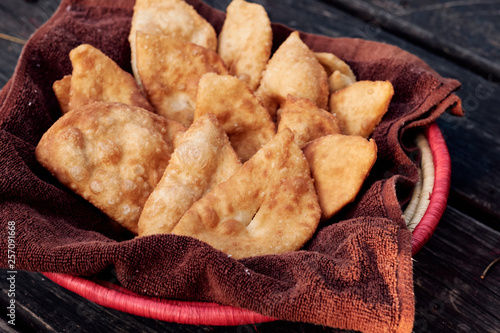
(268, 206)
(170, 70)
(246, 122)
(293, 70)
(204, 159)
(97, 78)
(361, 106)
(339, 165)
(111, 154)
(172, 18)
(306, 120)
(245, 41)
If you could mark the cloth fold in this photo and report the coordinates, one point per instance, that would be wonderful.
(354, 274)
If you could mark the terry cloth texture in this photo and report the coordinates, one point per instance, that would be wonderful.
(356, 272)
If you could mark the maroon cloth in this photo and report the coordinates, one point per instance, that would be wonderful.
(354, 274)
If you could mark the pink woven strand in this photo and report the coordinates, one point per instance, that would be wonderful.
(440, 191)
(192, 313)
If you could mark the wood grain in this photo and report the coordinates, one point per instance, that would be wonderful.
(20, 19)
(450, 294)
(463, 31)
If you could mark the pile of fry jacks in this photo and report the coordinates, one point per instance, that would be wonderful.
(214, 137)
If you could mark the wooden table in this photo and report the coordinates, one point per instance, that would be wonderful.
(459, 39)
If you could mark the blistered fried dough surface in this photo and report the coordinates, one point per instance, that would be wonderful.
(293, 70)
(245, 120)
(97, 78)
(173, 18)
(204, 159)
(338, 81)
(339, 165)
(170, 70)
(361, 106)
(339, 73)
(332, 63)
(111, 154)
(245, 41)
(306, 120)
(268, 206)
(62, 89)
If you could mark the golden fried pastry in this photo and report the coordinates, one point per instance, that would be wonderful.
(332, 63)
(339, 165)
(170, 70)
(268, 206)
(339, 73)
(204, 159)
(239, 112)
(97, 78)
(62, 89)
(361, 106)
(306, 121)
(111, 154)
(293, 70)
(338, 81)
(245, 41)
(172, 18)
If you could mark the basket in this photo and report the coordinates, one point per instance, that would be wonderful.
(422, 215)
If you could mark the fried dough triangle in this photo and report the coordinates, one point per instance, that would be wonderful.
(204, 159)
(361, 106)
(306, 120)
(170, 70)
(97, 78)
(339, 73)
(293, 70)
(172, 18)
(268, 206)
(338, 81)
(245, 41)
(332, 63)
(246, 122)
(111, 154)
(339, 165)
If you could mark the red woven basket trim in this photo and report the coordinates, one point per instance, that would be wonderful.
(440, 191)
(111, 285)
(193, 313)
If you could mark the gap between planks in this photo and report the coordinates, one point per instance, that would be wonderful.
(419, 36)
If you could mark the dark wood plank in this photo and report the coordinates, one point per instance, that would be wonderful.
(450, 294)
(6, 328)
(464, 31)
(19, 19)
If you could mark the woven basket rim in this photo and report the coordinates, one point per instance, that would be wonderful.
(438, 197)
(201, 313)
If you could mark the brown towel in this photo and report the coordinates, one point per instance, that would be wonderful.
(354, 274)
